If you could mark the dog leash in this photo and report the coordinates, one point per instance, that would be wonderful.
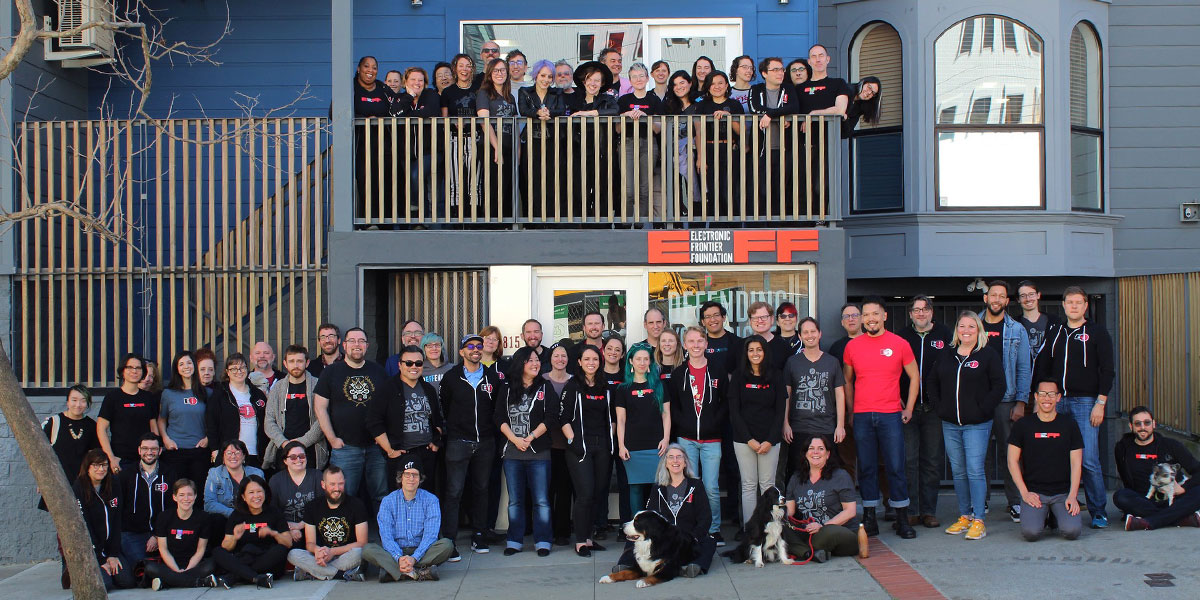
(799, 525)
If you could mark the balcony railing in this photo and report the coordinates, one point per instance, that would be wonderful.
(601, 170)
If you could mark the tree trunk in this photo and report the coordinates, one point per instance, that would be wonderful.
(86, 583)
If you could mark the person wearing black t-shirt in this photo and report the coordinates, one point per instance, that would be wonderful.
(638, 105)
(717, 145)
(496, 104)
(335, 531)
(458, 100)
(821, 95)
(1035, 322)
(409, 424)
(418, 141)
(851, 322)
(774, 99)
(593, 177)
(182, 542)
(290, 413)
(643, 414)
(256, 540)
(294, 488)
(342, 398)
(1045, 458)
(71, 432)
(721, 342)
(126, 414)
(370, 100)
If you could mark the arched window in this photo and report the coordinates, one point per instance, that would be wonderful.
(1087, 131)
(877, 174)
(989, 129)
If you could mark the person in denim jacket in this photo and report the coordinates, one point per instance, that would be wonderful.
(1018, 374)
(221, 487)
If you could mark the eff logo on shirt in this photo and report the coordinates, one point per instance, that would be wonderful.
(886, 352)
(1146, 456)
(1083, 337)
(937, 344)
(1042, 435)
(971, 364)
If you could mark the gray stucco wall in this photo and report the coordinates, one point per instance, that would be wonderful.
(28, 533)
(1154, 133)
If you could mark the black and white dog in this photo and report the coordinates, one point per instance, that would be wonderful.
(659, 548)
(1162, 482)
(768, 538)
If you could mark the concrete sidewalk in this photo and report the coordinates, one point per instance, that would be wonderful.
(1108, 563)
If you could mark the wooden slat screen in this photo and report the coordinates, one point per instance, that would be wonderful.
(1168, 367)
(879, 54)
(1158, 337)
(450, 303)
(1134, 340)
(223, 225)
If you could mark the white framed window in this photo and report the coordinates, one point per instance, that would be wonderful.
(990, 132)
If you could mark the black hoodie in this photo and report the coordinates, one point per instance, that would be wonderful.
(965, 390)
(389, 416)
(145, 499)
(467, 410)
(102, 515)
(1135, 463)
(710, 423)
(523, 411)
(223, 421)
(928, 349)
(1080, 359)
(693, 515)
(589, 412)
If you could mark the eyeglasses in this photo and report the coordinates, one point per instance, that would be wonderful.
(775, 69)
(760, 318)
(851, 316)
(797, 70)
(413, 363)
(1145, 423)
(236, 369)
(922, 310)
(1047, 394)
(358, 341)
(787, 315)
(474, 346)
(417, 333)
(490, 51)
(711, 317)
(143, 449)
(300, 456)
(517, 62)
(329, 336)
(1028, 296)
(410, 475)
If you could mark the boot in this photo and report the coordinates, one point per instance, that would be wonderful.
(869, 522)
(903, 529)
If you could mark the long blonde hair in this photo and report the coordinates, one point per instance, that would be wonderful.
(679, 356)
(980, 338)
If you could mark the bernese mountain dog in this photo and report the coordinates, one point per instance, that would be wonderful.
(660, 550)
(768, 537)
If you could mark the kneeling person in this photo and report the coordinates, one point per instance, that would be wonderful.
(1045, 458)
(1139, 454)
(409, 521)
(335, 531)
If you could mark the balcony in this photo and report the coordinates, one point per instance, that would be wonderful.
(603, 171)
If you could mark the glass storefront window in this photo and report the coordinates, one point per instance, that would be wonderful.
(679, 294)
(571, 305)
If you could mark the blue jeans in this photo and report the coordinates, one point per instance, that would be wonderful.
(1080, 409)
(707, 458)
(966, 447)
(359, 463)
(534, 474)
(133, 547)
(874, 432)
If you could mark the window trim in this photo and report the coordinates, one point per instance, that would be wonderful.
(1098, 132)
(998, 128)
(852, 197)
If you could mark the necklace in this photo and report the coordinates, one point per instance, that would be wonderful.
(74, 435)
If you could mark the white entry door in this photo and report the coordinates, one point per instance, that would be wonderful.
(681, 43)
(563, 295)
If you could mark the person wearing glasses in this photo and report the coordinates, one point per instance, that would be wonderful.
(773, 99)
(342, 398)
(222, 483)
(1045, 457)
(294, 488)
(518, 66)
(496, 104)
(436, 362)
(762, 323)
(487, 53)
(564, 77)
(923, 447)
(1036, 322)
(963, 387)
(742, 72)
(1138, 453)
(542, 102)
(721, 343)
(787, 326)
(409, 425)
(237, 411)
(852, 323)
(126, 414)
(329, 339)
(411, 334)
(145, 497)
(291, 416)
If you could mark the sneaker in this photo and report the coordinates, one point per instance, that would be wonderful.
(266, 580)
(1192, 520)
(456, 557)
(1100, 521)
(354, 574)
(1014, 513)
(207, 582)
(301, 575)
(492, 536)
(930, 522)
(156, 584)
(479, 545)
(720, 540)
(222, 582)
(977, 531)
(427, 574)
(690, 570)
(985, 506)
(820, 556)
(962, 524)
(1133, 523)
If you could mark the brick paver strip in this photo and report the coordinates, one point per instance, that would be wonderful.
(897, 577)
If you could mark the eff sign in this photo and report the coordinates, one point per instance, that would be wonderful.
(728, 246)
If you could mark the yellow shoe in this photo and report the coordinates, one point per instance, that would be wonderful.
(977, 530)
(959, 526)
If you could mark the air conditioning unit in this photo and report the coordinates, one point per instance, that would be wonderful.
(88, 48)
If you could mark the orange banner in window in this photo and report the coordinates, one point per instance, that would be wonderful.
(729, 246)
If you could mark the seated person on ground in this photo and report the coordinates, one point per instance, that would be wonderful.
(409, 521)
(1140, 455)
(335, 531)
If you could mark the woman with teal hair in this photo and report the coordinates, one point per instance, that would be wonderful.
(643, 422)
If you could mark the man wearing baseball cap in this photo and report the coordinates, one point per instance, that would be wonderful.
(409, 522)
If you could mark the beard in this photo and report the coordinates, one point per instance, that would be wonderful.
(335, 500)
(994, 312)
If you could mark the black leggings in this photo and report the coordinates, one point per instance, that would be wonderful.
(182, 579)
(590, 477)
(251, 561)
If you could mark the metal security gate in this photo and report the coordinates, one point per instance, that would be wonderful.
(450, 303)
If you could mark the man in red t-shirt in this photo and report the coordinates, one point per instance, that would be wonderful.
(873, 364)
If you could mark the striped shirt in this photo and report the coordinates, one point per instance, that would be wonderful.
(409, 523)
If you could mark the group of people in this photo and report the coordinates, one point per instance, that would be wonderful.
(295, 462)
(708, 169)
